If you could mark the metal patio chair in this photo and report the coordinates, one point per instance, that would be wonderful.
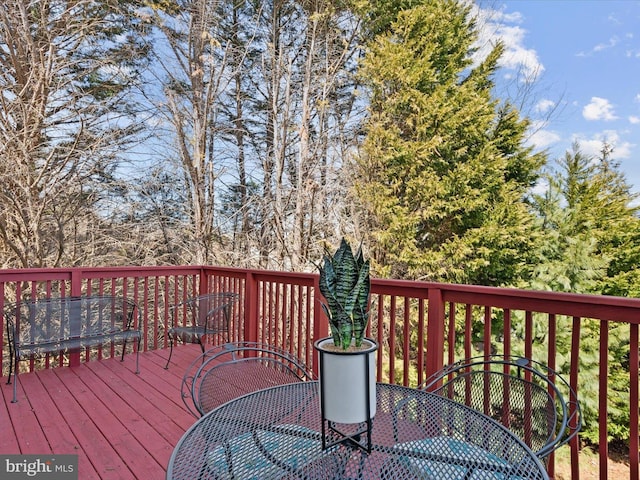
(228, 371)
(200, 316)
(526, 396)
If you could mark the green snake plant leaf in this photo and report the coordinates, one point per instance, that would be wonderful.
(345, 284)
(344, 331)
(333, 322)
(344, 264)
(328, 281)
(360, 312)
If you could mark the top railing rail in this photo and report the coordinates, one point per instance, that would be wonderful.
(420, 326)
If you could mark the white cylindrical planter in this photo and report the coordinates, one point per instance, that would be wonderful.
(345, 382)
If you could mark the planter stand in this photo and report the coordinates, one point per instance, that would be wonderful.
(347, 394)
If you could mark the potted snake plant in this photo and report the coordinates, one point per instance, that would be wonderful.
(347, 357)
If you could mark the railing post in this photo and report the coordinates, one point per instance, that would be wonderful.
(634, 396)
(603, 447)
(435, 332)
(203, 286)
(76, 282)
(251, 309)
(320, 324)
(574, 443)
(76, 291)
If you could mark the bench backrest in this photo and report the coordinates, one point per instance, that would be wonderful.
(53, 320)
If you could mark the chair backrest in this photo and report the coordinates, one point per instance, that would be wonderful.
(50, 321)
(234, 369)
(209, 311)
(189, 377)
(527, 397)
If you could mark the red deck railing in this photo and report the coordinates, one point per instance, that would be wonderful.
(420, 326)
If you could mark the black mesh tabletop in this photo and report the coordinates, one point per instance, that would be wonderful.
(275, 434)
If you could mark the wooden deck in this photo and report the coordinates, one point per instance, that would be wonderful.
(121, 425)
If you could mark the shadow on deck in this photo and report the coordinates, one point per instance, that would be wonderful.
(121, 425)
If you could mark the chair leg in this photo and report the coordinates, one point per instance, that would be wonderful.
(201, 347)
(13, 356)
(15, 386)
(166, 367)
(138, 357)
(10, 369)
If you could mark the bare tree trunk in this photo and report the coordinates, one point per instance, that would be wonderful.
(271, 227)
(285, 105)
(303, 207)
(62, 109)
(327, 53)
(241, 247)
(194, 80)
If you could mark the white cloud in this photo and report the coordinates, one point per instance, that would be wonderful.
(539, 137)
(613, 18)
(599, 109)
(600, 47)
(634, 120)
(496, 25)
(544, 106)
(592, 146)
(517, 56)
(541, 187)
(613, 41)
(543, 138)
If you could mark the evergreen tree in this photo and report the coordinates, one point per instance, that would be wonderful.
(620, 240)
(586, 215)
(589, 245)
(443, 174)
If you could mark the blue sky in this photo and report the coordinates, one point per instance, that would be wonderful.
(575, 67)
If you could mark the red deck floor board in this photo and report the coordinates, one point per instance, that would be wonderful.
(95, 447)
(121, 425)
(30, 437)
(8, 437)
(111, 426)
(156, 378)
(131, 411)
(59, 435)
(155, 405)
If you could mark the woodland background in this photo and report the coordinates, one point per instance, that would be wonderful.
(258, 133)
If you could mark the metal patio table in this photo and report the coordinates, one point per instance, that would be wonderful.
(275, 434)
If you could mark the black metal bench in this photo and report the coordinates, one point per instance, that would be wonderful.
(51, 325)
